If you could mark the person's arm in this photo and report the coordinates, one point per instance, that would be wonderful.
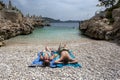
(52, 56)
(59, 61)
(41, 56)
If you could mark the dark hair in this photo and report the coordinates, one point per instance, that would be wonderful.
(66, 60)
(46, 63)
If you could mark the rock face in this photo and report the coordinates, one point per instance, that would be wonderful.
(37, 23)
(116, 26)
(9, 29)
(98, 27)
(12, 15)
(12, 23)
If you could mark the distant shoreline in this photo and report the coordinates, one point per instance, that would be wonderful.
(51, 20)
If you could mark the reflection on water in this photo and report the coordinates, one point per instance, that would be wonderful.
(57, 32)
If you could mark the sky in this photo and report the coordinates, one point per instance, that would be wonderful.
(58, 9)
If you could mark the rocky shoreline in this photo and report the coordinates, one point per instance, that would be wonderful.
(13, 23)
(10, 29)
(99, 27)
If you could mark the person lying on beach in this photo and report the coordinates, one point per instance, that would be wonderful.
(46, 56)
(64, 56)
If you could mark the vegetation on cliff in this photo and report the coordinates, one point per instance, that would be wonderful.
(2, 5)
(106, 24)
(110, 6)
(107, 3)
(13, 22)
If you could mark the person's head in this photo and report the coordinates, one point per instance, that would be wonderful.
(46, 63)
(66, 60)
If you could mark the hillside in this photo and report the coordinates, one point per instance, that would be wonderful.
(51, 20)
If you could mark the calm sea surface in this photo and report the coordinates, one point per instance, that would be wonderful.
(57, 32)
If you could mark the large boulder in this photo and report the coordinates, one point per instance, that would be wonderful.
(99, 28)
(116, 26)
(96, 27)
(9, 29)
(115, 32)
(116, 14)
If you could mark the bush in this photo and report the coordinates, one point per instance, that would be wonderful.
(109, 16)
(109, 12)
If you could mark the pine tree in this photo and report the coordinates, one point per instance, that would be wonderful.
(107, 3)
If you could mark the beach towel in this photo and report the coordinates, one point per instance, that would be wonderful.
(60, 65)
(37, 62)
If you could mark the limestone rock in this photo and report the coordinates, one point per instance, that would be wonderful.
(11, 15)
(115, 32)
(99, 27)
(9, 29)
(116, 14)
(12, 23)
(96, 28)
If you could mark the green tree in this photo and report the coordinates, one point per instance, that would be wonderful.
(118, 3)
(107, 3)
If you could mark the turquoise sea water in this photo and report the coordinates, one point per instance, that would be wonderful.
(57, 32)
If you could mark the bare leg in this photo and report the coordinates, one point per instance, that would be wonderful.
(60, 45)
(65, 45)
(47, 49)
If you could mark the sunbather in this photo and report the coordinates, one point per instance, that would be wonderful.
(46, 56)
(64, 55)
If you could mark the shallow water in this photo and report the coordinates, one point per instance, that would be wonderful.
(57, 32)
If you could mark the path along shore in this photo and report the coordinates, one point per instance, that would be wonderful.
(100, 60)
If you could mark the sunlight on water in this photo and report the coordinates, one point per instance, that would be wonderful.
(57, 32)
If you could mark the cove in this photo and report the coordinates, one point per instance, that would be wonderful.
(57, 32)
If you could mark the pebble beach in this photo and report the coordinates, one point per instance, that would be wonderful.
(100, 60)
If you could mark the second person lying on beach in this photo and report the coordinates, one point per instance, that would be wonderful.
(64, 55)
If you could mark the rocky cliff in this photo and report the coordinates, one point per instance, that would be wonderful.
(13, 23)
(99, 27)
(9, 29)
(12, 15)
(115, 33)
